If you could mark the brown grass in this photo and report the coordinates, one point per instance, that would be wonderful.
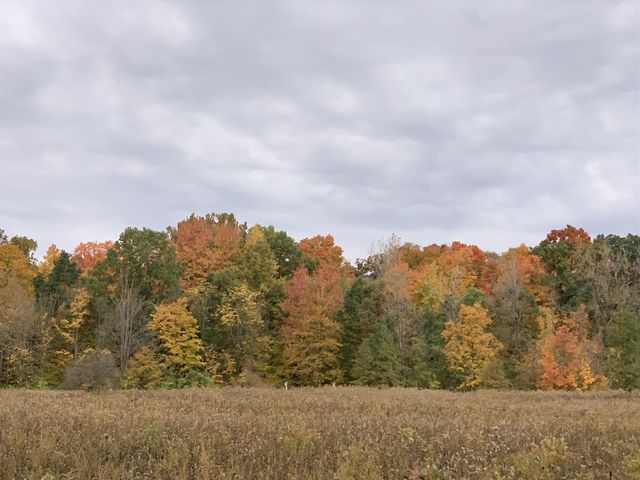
(332, 433)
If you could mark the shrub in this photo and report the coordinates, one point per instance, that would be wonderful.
(95, 370)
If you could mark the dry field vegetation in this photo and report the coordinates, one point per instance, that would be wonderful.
(328, 433)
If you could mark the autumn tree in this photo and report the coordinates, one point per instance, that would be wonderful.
(144, 370)
(48, 260)
(205, 244)
(24, 331)
(567, 355)
(27, 246)
(70, 327)
(469, 346)
(14, 262)
(321, 251)
(87, 254)
(240, 313)
(177, 334)
(310, 335)
(515, 306)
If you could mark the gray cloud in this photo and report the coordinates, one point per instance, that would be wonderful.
(486, 122)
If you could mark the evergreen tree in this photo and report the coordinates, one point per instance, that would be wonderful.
(377, 361)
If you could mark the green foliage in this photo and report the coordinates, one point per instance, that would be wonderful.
(55, 289)
(285, 251)
(358, 318)
(622, 342)
(426, 364)
(27, 245)
(146, 260)
(559, 254)
(377, 361)
(192, 378)
(257, 307)
(473, 296)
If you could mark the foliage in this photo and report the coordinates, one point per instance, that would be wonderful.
(95, 370)
(567, 356)
(177, 333)
(310, 335)
(469, 347)
(144, 371)
(622, 342)
(87, 254)
(377, 361)
(252, 306)
(147, 260)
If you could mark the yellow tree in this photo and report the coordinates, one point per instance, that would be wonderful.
(240, 313)
(49, 260)
(177, 332)
(144, 370)
(14, 262)
(69, 327)
(469, 347)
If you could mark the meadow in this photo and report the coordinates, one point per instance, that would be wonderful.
(319, 433)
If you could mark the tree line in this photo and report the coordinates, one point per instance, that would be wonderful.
(211, 301)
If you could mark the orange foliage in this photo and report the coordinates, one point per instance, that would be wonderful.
(204, 246)
(566, 356)
(86, 255)
(575, 236)
(323, 250)
(310, 335)
(530, 271)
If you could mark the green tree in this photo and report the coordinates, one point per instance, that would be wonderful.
(559, 254)
(622, 357)
(54, 291)
(285, 251)
(27, 245)
(148, 262)
(357, 317)
(377, 361)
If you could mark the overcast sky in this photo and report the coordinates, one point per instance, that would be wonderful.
(489, 122)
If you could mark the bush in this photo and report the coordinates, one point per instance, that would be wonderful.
(95, 370)
(193, 378)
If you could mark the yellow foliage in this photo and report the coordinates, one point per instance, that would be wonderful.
(13, 262)
(177, 331)
(49, 260)
(144, 370)
(469, 346)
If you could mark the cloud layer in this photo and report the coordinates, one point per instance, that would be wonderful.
(487, 122)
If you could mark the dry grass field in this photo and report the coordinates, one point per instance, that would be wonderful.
(329, 433)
